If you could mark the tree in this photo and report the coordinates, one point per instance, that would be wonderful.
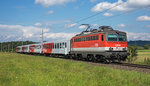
(133, 53)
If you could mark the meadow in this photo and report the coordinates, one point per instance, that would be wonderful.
(26, 70)
(143, 57)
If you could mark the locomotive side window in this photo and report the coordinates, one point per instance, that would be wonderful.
(79, 39)
(112, 37)
(102, 37)
(91, 38)
(122, 37)
(84, 38)
(97, 37)
(55, 46)
(88, 38)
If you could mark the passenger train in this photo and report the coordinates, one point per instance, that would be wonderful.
(103, 44)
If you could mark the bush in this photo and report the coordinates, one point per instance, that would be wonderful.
(146, 47)
(133, 53)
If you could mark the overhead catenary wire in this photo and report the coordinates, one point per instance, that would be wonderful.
(99, 13)
(123, 13)
(91, 16)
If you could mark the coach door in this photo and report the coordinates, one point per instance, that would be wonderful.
(65, 47)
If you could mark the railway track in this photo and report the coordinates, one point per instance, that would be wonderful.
(135, 65)
(123, 66)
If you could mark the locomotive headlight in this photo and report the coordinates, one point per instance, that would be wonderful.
(110, 49)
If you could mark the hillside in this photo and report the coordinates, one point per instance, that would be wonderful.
(139, 43)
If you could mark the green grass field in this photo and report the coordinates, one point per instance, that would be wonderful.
(142, 56)
(25, 70)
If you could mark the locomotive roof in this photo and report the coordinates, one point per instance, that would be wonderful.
(102, 29)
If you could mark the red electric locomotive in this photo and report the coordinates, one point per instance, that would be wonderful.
(103, 44)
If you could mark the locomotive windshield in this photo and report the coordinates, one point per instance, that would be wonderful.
(116, 37)
(122, 37)
(112, 37)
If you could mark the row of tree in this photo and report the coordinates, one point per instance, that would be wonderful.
(11, 46)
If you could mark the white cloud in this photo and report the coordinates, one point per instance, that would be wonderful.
(50, 12)
(93, 0)
(95, 25)
(121, 6)
(82, 27)
(47, 3)
(138, 36)
(31, 33)
(38, 24)
(121, 25)
(27, 31)
(107, 14)
(143, 18)
(70, 25)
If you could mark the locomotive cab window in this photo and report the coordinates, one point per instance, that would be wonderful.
(112, 37)
(122, 37)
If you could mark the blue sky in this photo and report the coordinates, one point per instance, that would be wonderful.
(58, 18)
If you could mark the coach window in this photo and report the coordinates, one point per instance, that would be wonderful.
(65, 44)
(49, 46)
(60, 45)
(102, 37)
(55, 46)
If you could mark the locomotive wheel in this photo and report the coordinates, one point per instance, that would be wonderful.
(94, 59)
(89, 58)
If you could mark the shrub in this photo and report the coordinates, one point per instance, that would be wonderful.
(133, 53)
